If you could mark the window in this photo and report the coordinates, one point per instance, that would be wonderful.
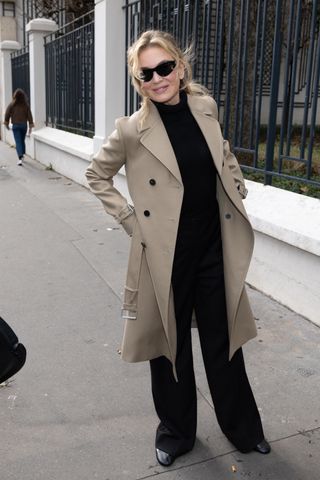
(8, 9)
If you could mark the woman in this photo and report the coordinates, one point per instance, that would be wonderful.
(18, 111)
(190, 249)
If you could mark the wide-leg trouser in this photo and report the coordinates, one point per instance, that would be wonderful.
(198, 283)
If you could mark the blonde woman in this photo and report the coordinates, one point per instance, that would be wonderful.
(190, 248)
(19, 113)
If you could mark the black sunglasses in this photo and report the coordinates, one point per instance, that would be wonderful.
(163, 69)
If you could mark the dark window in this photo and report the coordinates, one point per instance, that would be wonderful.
(8, 9)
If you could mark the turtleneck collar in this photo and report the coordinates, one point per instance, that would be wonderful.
(164, 108)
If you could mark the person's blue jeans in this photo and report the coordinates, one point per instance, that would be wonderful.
(19, 133)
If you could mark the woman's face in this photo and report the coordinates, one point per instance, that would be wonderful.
(160, 89)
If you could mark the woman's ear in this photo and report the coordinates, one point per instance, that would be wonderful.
(181, 71)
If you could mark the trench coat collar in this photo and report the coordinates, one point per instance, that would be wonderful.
(155, 138)
(154, 135)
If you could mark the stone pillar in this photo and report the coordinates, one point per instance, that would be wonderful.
(6, 48)
(38, 29)
(110, 58)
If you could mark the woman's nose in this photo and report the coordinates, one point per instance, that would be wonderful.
(156, 77)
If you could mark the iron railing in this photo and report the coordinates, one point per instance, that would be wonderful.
(60, 11)
(260, 59)
(20, 70)
(53, 9)
(69, 59)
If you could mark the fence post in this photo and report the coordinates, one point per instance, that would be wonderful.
(6, 48)
(275, 78)
(110, 57)
(37, 30)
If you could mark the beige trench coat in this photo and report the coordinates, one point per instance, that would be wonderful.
(156, 188)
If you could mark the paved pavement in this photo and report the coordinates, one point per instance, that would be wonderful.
(78, 412)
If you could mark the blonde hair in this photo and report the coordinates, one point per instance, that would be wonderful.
(166, 41)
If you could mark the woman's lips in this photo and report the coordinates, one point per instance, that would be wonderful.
(160, 89)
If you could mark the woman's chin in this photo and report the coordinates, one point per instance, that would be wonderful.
(166, 98)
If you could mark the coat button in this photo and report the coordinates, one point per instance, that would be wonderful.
(228, 216)
(152, 181)
(146, 213)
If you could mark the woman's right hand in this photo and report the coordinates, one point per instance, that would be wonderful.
(128, 223)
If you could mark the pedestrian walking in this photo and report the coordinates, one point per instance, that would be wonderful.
(19, 113)
(191, 244)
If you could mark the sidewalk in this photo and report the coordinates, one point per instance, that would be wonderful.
(78, 412)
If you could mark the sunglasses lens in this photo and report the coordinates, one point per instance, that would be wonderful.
(164, 69)
(146, 74)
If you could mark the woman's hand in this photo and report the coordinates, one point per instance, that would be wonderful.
(128, 223)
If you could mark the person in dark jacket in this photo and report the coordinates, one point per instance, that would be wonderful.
(19, 113)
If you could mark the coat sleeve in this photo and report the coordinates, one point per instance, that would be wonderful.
(234, 167)
(7, 115)
(30, 118)
(105, 165)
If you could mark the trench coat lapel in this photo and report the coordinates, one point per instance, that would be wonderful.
(155, 138)
(210, 128)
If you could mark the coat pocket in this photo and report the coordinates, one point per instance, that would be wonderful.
(130, 302)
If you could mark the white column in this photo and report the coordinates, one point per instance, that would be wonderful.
(38, 29)
(6, 48)
(110, 58)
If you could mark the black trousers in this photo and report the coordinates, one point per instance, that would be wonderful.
(198, 283)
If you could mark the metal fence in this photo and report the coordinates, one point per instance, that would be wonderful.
(260, 59)
(53, 9)
(20, 70)
(69, 60)
(61, 11)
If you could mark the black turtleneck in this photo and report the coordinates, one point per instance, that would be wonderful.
(195, 161)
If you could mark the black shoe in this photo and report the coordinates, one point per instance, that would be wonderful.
(164, 458)
(263, 447)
